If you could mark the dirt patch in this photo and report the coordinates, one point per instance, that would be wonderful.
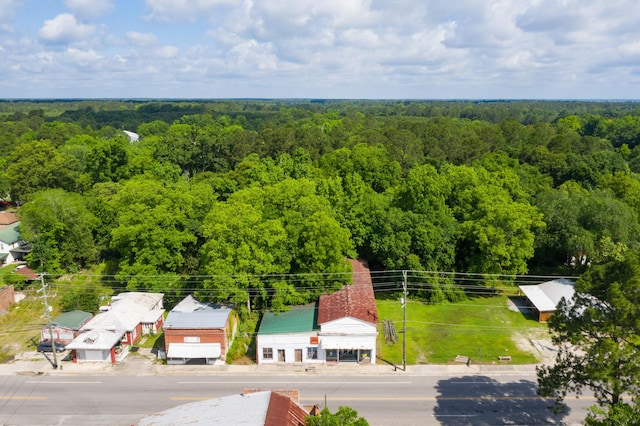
(537, 343)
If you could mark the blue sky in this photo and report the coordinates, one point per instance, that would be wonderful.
(371, 49)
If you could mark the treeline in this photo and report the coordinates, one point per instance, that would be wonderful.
(259, 200)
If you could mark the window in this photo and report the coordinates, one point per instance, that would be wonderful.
(312, 353)
(267, 353)
(191, 339)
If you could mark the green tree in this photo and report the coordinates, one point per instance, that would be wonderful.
(241, 246)
(345, 416)
(85, 298)
(497, 223)
(156, 230)
(107, 159)
(598, 339)
(35, 166)
(580, 227)
(60, 227)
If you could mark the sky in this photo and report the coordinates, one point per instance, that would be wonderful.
(329, 49)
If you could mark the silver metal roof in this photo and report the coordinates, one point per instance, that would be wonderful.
(209, 318)
(546, 296)
(190, 313)
(250, 409)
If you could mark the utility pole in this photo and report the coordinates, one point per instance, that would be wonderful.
(47, 312)
(404, 323)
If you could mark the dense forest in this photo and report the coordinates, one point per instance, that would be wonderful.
(260, 201)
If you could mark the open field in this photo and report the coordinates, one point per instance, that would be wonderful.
(481, 328)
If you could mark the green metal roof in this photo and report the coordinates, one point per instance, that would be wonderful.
(10, 234)
(71, 320)
(298, 319)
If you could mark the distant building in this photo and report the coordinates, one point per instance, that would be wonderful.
(544, 298)
(12, 248)
(133, 137)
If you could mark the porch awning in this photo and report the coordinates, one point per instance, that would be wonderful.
(194, 350)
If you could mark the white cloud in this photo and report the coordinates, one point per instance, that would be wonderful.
(8, 9)
(89, 9)
(64, 28)
(182, 10)
(167, 52)
(84, 58)
(141, 39)
(359, 48)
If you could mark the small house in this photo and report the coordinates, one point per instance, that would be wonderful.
(107, 336)
(12, 248)
(65, 327)
(196, 332)
(290, 337)
(545, 297)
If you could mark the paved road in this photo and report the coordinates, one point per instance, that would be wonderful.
(387, 399)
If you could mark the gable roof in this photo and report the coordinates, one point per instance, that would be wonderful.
(26, 272)
(298, 319)
(265, 408)
(546, 296)
(191, 314)
(126, 311)
(71, 320)
(10, 234)
(356, 300)
(144, 300)
(96, 340)
(7, 218)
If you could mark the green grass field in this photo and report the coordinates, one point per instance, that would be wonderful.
(480, 328)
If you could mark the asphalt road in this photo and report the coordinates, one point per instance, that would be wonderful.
(382, 400)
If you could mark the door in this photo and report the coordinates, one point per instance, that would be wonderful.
(281, 355)
(298, 355)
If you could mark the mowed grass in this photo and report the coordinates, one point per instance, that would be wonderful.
(481, 328)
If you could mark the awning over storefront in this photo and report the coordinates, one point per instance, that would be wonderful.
(194, 350)
(346, 342)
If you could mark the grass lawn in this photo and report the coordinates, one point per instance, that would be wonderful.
(20, 326)
(480, 328)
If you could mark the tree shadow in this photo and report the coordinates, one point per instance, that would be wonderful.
(523, 306)
(480, 400)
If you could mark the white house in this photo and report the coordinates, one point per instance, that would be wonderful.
(348, 320)
(290, 337)
(343, 327)
(100, 345)
(108, 335)
(12, 248)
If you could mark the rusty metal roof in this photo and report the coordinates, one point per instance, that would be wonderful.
(268, 408)
(284, 411)
(356, 300)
